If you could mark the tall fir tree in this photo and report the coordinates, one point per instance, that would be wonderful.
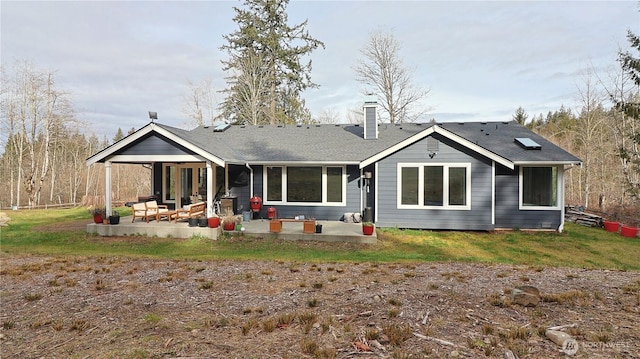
(629, 152)
(263, 32)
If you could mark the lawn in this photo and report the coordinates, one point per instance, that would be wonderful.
(50, 232)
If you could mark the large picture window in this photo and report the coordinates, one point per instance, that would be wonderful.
(309, 185)
(443, 186)
(538, 187)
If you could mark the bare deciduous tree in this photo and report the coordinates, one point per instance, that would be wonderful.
(200, 104)
(384, 75)
(250, 84)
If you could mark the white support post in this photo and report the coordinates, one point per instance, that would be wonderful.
(107, 187)
(210, 194)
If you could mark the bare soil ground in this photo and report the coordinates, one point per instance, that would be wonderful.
(91, 307)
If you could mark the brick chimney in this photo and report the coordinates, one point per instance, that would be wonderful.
(370, 110)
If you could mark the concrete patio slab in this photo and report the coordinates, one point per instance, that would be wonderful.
(332, 231)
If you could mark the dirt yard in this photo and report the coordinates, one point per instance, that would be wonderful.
(70, 307)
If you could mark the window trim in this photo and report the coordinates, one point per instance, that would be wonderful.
(324, 202)
(521, 205)
(445, 179)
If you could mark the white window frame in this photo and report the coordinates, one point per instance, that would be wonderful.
(324, 202)
(445, 180)
(558, 189)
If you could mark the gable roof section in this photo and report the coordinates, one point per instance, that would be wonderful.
(436, 129)
(175, 135)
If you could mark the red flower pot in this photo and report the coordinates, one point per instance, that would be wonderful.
(214, 222)
(97, 218)
(627, 231)
(368, 230)
(229, 226)
(610, 226)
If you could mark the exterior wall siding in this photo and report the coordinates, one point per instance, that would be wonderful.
(508, 214)
(332, 213)
(154, 145)
(477, 218)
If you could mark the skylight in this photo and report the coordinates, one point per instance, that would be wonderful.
(527, 143)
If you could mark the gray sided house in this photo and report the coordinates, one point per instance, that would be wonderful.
(454, 176)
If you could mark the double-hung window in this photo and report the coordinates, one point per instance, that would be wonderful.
(437, 186)
(305, 185)
(539, 187)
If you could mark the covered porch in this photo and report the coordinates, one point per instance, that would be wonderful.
(332, 231)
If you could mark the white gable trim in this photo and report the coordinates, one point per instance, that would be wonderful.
(151, 127)
(448, 134)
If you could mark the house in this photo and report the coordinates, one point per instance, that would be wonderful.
(455, 176)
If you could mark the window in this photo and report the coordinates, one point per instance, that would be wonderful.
(538, 187)
(274, 184)
(308, 185)
(442, 186)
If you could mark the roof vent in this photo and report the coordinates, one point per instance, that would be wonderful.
(221, 127)
(527, 143)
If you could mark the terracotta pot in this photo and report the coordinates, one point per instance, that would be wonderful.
(611, 226)
(628, 231)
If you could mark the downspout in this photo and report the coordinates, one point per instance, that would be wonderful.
(250, 179)
(562, 213)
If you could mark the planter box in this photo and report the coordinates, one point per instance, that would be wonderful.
(611, 226)
(627, 231)
(275, 226)
(309, 227)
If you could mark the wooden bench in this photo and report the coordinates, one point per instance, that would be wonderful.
(191, 211)
(308, 225)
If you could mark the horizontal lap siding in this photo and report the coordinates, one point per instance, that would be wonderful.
(154, 145)
(478, 218)
(508, 214)
(332, 213)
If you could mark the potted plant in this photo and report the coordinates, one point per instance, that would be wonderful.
(368, 228)
(228, 220)
(114, 218)
(97, 213)
(214, 221)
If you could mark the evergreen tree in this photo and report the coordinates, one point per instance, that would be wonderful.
(629, 151)
(520, 116)
(119, 135)
(263, 32)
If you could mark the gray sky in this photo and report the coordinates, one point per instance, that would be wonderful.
(480, 59)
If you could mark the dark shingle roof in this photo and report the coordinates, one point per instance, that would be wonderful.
(328, 143)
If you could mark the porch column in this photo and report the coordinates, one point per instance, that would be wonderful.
(107, 186)
(210, 194)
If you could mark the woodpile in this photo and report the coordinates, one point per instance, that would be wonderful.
(576, 215)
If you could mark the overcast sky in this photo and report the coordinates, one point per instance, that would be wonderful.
(481, 60)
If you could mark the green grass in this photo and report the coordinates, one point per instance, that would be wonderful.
(43, 232)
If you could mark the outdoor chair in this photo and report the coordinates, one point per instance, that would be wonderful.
(191, 211)
(139, 211)
(155, 210)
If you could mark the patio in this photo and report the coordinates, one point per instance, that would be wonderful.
(332, 231)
